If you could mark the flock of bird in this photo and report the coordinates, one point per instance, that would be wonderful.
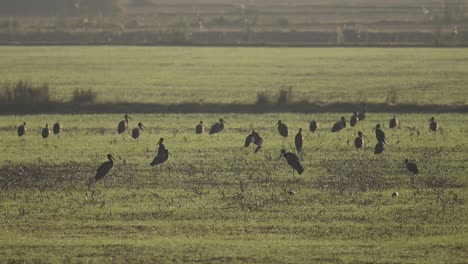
(253, 139)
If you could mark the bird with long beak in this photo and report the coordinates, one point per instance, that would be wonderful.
(379, 134)
(339, 125)
(433, 126)
(411, 166)
(104, 168)
(394, 122)
(218, 127)
(200, 128)
(359, 141)
(354, 119)
(136, 132)
(282, 128)
(293, 161)
(123, 124)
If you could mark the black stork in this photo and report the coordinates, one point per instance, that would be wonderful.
(217, 127)
(339, 125)
(433, 126)
(362, 114)
(136, 132)
(123, 124)
(354, 119)
(57, 128)
(45, 131)
(160, 158)
(411, 166)
(299, 141)
(379, 148)
(379, 134)
(359, 141)
(161, 147)
(293, 161)
(104, 168)
(255, 139)
(313, 126)
(22, 130)
(394, 122)
(282, 129)
(200, 128)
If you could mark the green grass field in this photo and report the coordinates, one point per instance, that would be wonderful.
(215, 201)
(235, 75)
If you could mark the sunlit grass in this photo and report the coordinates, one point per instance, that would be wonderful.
(236, 75)
(216, 201)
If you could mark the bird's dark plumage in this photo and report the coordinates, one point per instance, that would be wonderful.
(433, 126)
(293, 161)
(354, 119)
(362, 114)
(394, 122)
(161, 147)
(45, 131)
(282, 129)
(136, 132)
(104, 168)
(299, 141)
(22, 130)
(57, 128)
(359, 141)
(255, 139)
(200, 128)
(160, 158)
(339, 125)
(411, 166)
(123, 125)
(379, 134)
(379, 148)
(217, 127)
(313, 126)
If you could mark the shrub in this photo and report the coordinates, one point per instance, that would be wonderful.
(24, 93)
(284, 96)
(82, 96)
(262, 98)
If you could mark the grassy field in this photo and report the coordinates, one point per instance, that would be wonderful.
(215, 201)
(236, 75)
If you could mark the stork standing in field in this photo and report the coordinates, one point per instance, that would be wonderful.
(163, 154)
(136, 132)
(200, 128)
(217, 127)
(254, 139)
(379, 134)
(433, 126)
(394, 122)
(339, 125)
(299, 141)
(411, 166)
(313, 126)
(354, 119)
(57, 128)
(45, 131)
(293, 161)
(161, 147)
(123, 125)
(362, 114)
(379, 148)
(22, 130)
(359, 141)
(104, 168)
(282, 129)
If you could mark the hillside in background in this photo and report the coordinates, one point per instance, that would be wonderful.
(222, 22)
